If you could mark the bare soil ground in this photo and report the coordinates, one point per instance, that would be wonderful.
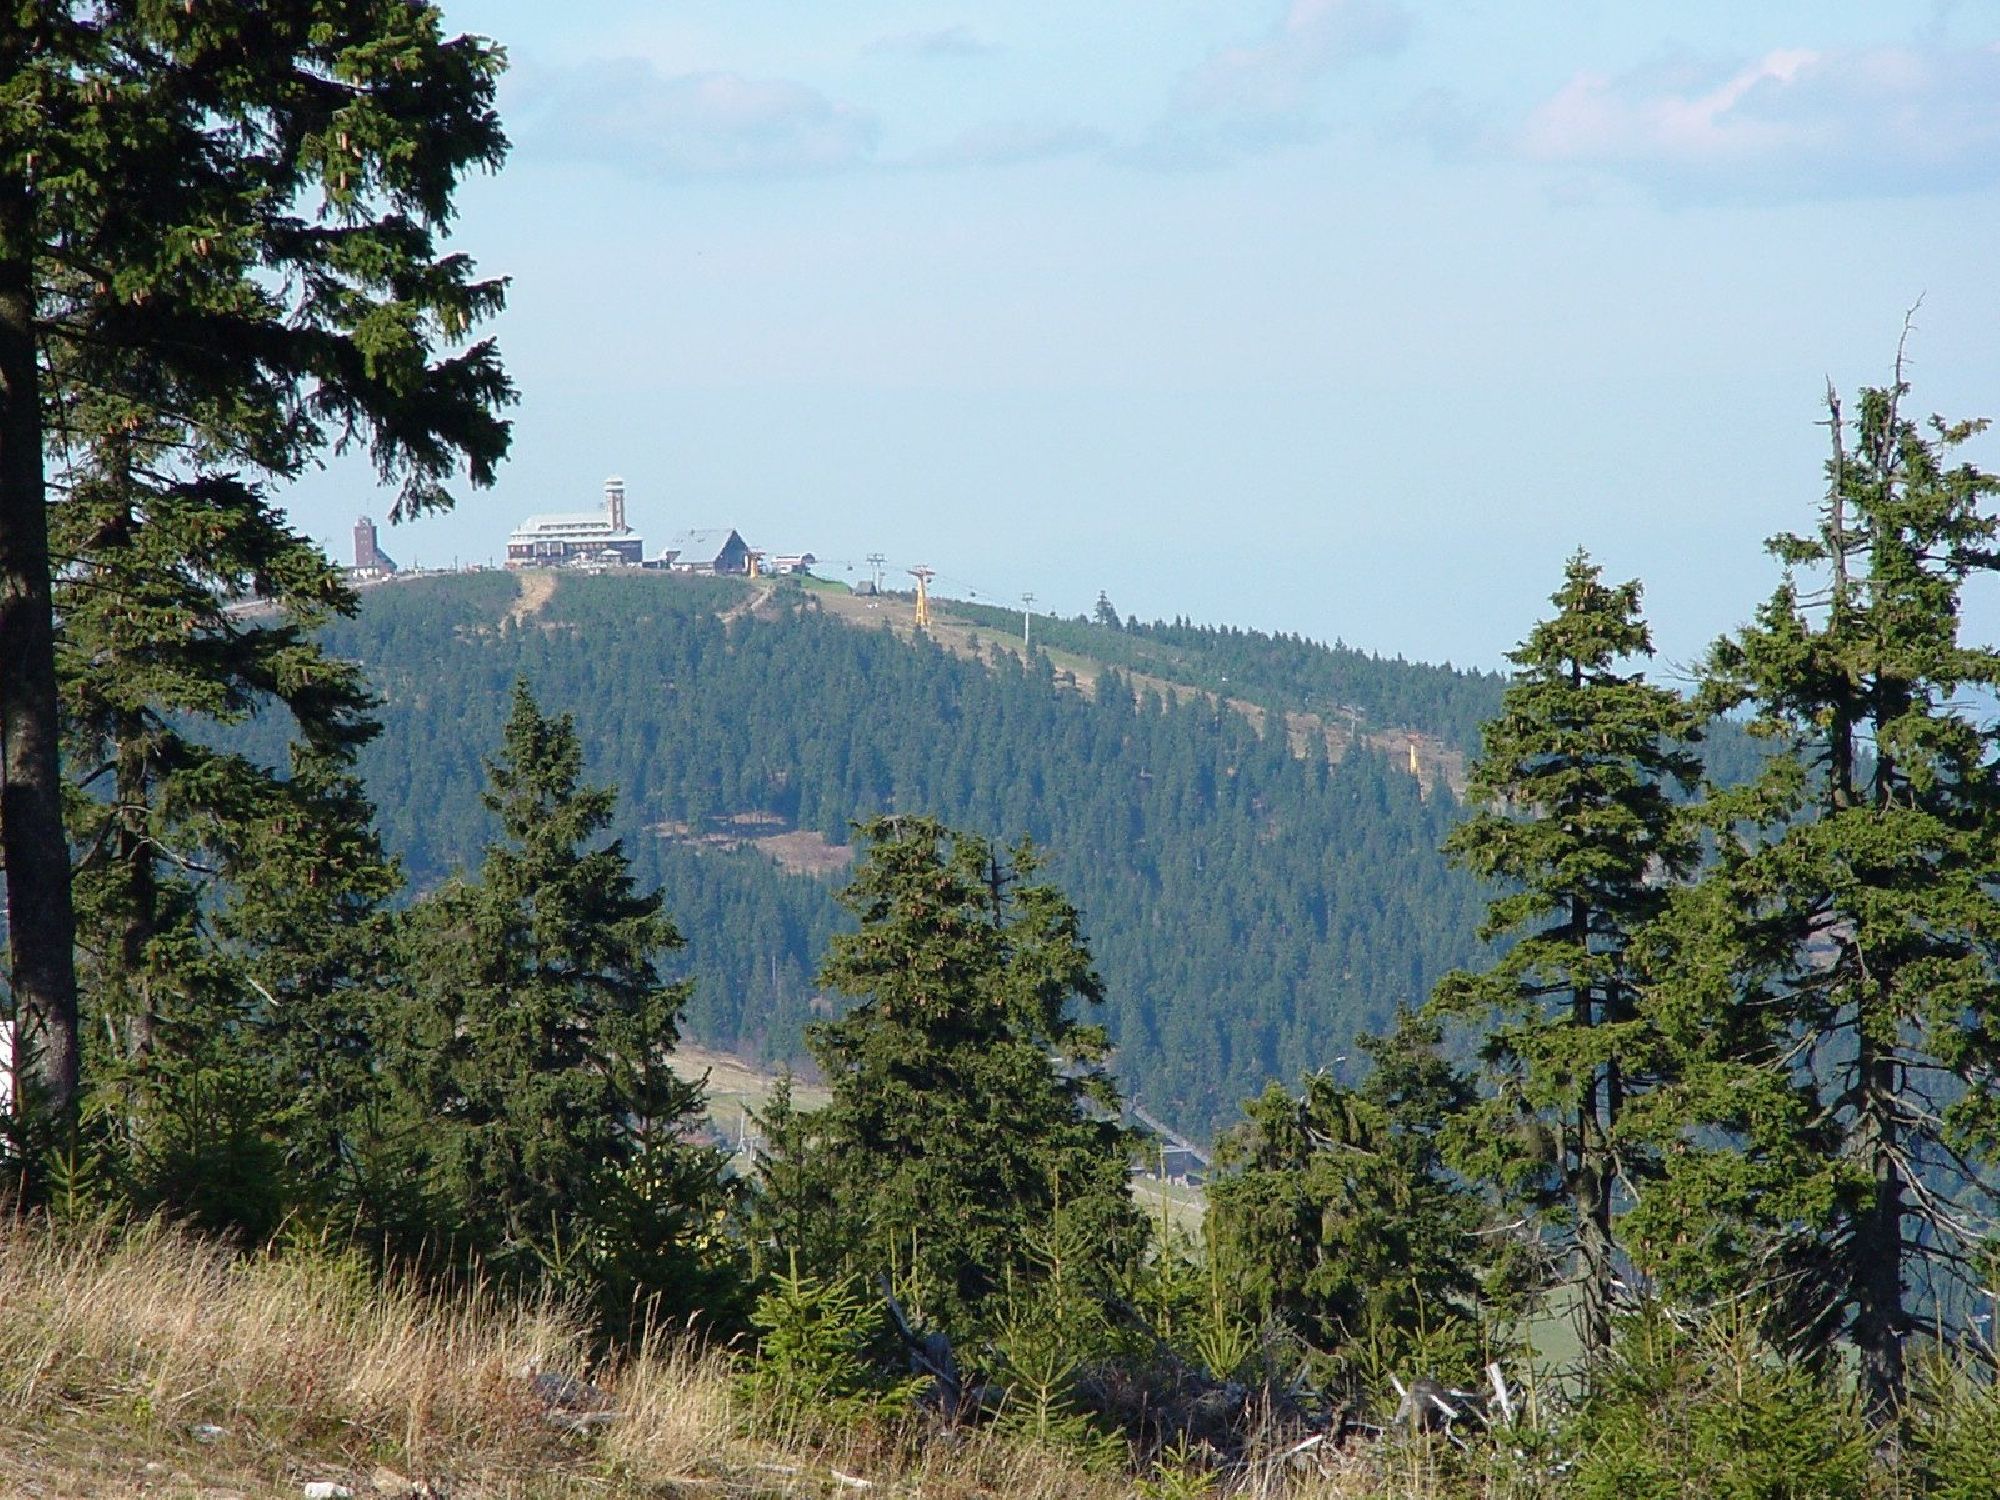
(795, 851)
(805, 853)
(538, 586)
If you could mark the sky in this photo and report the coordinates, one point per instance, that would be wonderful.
(1352, 318)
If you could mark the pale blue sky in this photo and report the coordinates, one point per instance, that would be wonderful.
(1351, 317)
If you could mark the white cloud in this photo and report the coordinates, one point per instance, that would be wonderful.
(625, 113)
(1795, 123)
(946, 41)
(1262, 94)
(1276, 75)
(1011, 142)
(1443, 120)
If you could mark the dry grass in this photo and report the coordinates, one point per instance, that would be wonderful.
(145, 1361)
(139, 1344)
(736, 1089)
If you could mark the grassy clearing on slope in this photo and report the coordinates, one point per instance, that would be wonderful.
(1175, 1202)
(736, 1090)
(149, 1360)
(119, 1349)
(145, 1361)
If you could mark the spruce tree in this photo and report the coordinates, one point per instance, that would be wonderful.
(796, 1214)
(537, 1031)
(1577, 827)
(209, 885)
(970, 1106)
(1333, 1213)
(218, 256)
(304, 917)
(1831, 985)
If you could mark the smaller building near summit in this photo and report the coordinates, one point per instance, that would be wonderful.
(370, 561)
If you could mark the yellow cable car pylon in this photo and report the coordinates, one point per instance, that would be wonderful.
(923, 576)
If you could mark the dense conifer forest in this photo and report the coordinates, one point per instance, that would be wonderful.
(1274, 671)
(1251, 908)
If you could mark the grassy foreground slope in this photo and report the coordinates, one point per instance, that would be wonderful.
(1254, 896)
(151, 1363)
(147, 1363)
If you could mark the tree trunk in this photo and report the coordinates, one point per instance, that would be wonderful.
(133, 852)
(1592, 1197)
(1590, 1180)
(41, 923)
(1605, 1163)
(1590, 1194)
(1877, 1251)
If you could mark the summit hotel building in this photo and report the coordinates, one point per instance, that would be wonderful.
(591, 536)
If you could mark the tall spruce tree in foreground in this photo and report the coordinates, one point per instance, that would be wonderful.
(219, 255)
(229, 912)
(972, 1118)
(1833, 983)
(537, 1031)
(1579, 830)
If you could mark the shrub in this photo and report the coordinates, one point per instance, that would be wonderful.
(816, 1355)
(1955, 1435)
(1717, 1411)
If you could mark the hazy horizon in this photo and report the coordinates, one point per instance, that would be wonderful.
(1342, 317)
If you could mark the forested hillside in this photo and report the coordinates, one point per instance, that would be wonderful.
(1250, 909)
(1353, 688)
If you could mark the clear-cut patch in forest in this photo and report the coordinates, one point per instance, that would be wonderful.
(538, 586)
(804, 852)
(796, 851)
